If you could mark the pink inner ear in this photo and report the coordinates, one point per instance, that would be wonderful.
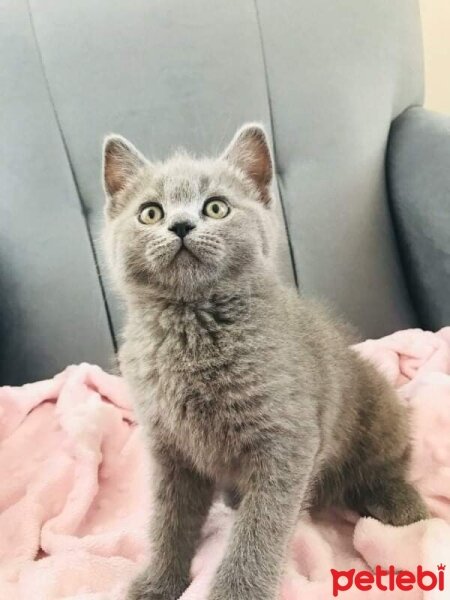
(249, 151)
(121, 163)
(262, 162)
(114, 176)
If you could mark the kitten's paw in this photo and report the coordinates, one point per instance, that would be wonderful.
(233, 593)
(139, 591)
(217, 595)
(143, 595)
(143, 588)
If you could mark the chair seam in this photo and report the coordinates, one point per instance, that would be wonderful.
(271, 120)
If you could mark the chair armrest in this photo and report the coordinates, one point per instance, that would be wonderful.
(418, 178)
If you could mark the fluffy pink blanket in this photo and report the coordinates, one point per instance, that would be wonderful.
(73, 491)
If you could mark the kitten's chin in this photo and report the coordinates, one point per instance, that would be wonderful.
(185, 276)
(183, 272)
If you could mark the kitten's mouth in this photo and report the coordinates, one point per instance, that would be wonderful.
(184, 251)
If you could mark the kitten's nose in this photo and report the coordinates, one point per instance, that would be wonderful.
(182, 228)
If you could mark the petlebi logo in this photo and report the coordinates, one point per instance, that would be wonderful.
(388, 579)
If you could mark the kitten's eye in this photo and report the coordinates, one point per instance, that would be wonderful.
(216, 208)
(151, 214)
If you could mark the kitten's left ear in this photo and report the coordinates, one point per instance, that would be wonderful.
(249, 151)
(121, 163)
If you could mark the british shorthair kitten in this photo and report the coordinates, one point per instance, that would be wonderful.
(238, 383)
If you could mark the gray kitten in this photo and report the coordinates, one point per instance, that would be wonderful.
(239, 384)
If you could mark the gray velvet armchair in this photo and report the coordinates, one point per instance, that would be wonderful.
(363, 172)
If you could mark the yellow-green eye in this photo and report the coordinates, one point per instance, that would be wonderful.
(151, 214)
(216, 208)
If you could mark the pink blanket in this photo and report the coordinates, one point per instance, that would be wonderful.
(73, 492)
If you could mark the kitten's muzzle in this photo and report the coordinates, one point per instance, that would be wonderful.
(182, 228)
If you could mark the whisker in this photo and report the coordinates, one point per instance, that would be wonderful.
(201, 240)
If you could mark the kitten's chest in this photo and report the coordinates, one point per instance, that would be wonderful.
(200, 378)
(202, 391)
(200, 401)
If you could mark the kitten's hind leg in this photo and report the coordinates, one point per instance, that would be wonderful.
(392, 501)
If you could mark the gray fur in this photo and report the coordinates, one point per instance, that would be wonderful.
(239, 384)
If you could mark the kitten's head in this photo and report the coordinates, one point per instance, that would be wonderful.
(181, 226)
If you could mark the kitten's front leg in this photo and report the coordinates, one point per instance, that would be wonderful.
(181, 503)
(254, 561)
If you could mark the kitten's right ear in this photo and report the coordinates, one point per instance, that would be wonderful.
(121, 163)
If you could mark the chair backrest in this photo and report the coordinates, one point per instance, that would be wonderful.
(326, 78)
